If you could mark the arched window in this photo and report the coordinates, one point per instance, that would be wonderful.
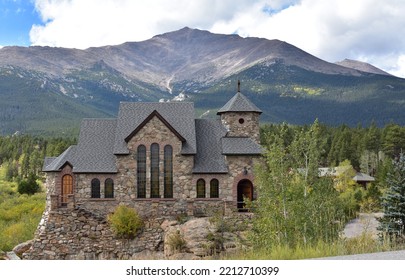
(154, 171)
(95, 188)
(141, 171)
(214, 188)
(67, 187)
(168, 171)
(200, 188)
(109, 188)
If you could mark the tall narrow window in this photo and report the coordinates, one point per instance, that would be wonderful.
(154, 171)
(95, 188)
(214, 188)
(67, 187)
(168, 171)
(141, 171)
(109, 188)
(200, 188)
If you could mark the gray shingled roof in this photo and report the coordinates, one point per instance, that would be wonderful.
(57, 163)
(100, 140)
(47, 162)
(239, 103)
(94, 152)
(209, 157)
(180, 115)
(240, 146)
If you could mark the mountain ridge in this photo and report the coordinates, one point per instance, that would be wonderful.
(361, 66)
(199, 65)
(121, 57)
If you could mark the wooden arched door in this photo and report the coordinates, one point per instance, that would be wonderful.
(245, 190)
(67, 187)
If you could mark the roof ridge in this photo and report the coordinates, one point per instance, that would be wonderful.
(239, 103)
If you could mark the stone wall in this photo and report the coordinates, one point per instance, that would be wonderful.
(184, 199)
(80, 230)
(76, 234)
(80, 234)
(182, 164)
(242, 124)
(50, 184)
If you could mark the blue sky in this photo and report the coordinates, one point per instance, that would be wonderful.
(367, 30)
(16, 20)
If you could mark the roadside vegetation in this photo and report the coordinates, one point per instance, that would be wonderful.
(297, 214)
(300, 214)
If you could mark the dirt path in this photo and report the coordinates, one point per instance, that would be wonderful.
(366, 222)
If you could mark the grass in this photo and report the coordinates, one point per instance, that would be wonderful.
(19, 215)
(359, 245)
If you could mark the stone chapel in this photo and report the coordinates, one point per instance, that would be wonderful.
(159, 159)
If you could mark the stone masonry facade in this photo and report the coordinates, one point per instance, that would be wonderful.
(74, 224)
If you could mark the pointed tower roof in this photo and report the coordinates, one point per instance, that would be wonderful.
(239, 103)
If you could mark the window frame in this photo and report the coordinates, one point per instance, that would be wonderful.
(95, 188)
(108, 183)
(214, 188)
(141, 171)
(168, 171)
(200, 188)
(154, 171)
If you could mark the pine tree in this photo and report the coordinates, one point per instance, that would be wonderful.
(393, 221)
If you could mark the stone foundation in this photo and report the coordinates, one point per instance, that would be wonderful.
(67, 234)
(79, 234)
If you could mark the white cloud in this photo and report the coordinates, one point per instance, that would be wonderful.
(332, 30)
(399, 67)
(82, 24)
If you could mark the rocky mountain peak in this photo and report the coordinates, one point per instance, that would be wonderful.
(362, 66)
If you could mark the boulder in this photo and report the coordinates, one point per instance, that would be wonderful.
(12, 256)
(195, 234)
(20, 249)
(192, 235)
(2, 255)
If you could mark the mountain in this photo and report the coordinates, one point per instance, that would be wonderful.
(48, 90)
(361, 66)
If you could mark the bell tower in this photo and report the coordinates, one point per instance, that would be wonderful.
(241, 117)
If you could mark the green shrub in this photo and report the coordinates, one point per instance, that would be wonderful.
(29, 186)
(125, 222)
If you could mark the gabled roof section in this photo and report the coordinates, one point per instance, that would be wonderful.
(94, 152)
(239, 103)
(209, 158)
(47, 162)
(240, 146)
(166, 123)
(179, 115)
(56, 163)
